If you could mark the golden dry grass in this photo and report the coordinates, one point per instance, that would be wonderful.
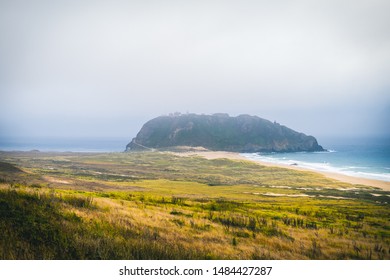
(166, 207)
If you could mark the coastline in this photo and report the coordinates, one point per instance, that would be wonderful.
(236, 156)
(202, 152)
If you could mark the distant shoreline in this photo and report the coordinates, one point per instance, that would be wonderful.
(236, 156)
(340, 177)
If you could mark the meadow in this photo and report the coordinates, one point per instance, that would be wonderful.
(156, 205)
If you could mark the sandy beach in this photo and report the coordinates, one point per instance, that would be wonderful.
(236, 156)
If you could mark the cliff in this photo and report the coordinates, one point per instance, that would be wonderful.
(221, 132)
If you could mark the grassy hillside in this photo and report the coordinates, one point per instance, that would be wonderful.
(160, 206)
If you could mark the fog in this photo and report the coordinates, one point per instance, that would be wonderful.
(103, 68)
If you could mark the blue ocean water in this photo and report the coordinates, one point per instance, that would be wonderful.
(65, 145)
(364, 158)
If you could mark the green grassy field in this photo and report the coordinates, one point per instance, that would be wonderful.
(154, 205)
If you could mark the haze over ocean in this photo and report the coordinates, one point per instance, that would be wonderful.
(85, 69)
(83, 144)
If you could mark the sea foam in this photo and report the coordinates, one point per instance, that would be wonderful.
(326, 165)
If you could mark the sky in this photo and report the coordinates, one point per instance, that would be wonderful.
(104, 68)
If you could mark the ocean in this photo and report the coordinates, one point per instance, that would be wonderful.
(91, 145)
(363, 158)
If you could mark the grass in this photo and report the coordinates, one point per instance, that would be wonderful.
(160, 206)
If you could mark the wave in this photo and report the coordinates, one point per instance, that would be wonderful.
(350, 170)
(370, 175)
(323, 152)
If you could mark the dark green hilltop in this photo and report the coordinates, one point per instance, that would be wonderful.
(220, 132)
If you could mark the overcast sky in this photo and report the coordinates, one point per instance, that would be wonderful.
(103, 68)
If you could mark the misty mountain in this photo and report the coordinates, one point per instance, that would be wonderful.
(221, 132)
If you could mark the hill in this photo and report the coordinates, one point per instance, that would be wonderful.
(221, 132)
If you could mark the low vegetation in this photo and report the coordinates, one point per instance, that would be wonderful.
(153, 205)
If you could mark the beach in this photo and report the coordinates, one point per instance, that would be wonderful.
(200, 203)
(236, 156)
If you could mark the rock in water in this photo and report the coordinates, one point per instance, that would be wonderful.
(220, 132)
